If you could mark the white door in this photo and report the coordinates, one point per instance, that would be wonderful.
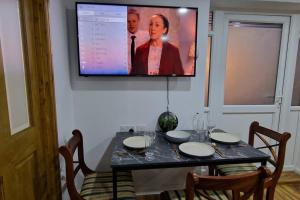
(290, 109)
(246, 82)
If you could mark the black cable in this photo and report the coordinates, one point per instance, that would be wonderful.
(168, 94)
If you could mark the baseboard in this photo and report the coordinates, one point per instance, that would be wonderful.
(148, 193)
(289, 168)
(297, 170)
(154, 191)
(286, 168)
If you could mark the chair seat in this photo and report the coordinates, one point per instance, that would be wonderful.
(180, 195)
(99, 185)
(231, 169)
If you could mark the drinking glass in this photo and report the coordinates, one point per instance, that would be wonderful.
(210, 125)
(201, 130)
(199, 126)
(149, 141)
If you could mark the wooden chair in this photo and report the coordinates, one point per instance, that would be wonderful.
(277, 159)
(234, 187)
(96, 186)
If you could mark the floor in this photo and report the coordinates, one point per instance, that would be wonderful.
(288, 188)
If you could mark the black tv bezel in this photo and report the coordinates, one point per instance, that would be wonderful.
(134, 75)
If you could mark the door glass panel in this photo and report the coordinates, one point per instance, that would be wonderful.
(12, 53)
(252, 61)
(296, 88)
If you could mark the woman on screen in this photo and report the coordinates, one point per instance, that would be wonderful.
(157, 56)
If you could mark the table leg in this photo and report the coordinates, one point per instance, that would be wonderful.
(115, 193)
(211, 170)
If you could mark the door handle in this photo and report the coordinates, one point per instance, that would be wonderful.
(278, 99)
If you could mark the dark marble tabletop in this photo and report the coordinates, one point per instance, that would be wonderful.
(167, 155)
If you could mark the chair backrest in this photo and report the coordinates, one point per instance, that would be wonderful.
(242, 185)
(267, 136)
(67, 151)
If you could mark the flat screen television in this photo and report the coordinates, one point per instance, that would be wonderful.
(136, 40)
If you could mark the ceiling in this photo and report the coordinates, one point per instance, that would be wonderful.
(277, 6)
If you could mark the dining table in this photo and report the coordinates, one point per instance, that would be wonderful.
(167, 154)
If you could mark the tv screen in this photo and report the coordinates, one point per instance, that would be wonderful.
(135, 40)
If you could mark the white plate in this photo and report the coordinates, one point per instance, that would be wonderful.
(196, 149)
(178, 136)
(224, 137)
(135, 142)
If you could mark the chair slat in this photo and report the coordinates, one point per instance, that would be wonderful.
(277, 158)
(235, 187)
(96, 186)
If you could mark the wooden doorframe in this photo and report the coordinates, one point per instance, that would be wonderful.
(45, 77)
(37, 28)
(1, 188)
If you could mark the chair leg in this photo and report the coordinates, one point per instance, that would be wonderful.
(270, 193)
(163, 196)
(259, 194)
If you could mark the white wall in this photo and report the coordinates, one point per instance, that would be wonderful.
(60, 59)
(102, 104)
(98, 106)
